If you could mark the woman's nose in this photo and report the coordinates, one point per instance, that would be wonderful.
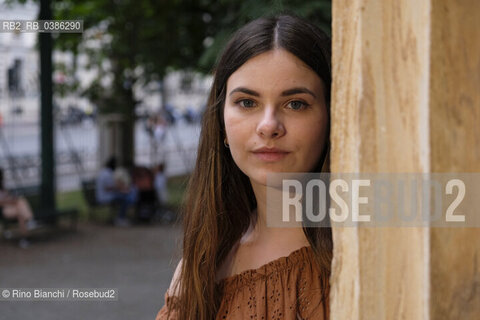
(270, 125)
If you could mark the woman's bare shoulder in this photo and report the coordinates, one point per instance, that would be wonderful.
(174, 289)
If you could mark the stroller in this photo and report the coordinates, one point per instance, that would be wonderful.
(147, 203)
(147, 206)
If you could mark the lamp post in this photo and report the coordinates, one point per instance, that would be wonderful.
(47, 142)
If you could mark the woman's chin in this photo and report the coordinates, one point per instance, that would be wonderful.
(268, 178)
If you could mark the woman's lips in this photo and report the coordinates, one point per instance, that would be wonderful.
(270, 155)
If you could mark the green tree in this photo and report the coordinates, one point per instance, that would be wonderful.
(129, 41)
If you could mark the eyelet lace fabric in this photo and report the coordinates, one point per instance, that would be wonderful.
(290, 287)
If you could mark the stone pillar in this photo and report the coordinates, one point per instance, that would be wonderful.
(406, 98)
(455, 147)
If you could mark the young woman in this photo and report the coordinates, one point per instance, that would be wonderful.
(268, 111)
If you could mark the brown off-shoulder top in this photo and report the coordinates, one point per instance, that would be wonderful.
(290, 287)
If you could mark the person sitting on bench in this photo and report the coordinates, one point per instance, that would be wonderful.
(114, 191)
(14, 207)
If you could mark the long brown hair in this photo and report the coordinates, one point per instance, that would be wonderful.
(220, 201)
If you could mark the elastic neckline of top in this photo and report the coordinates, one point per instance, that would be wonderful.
(266, 269)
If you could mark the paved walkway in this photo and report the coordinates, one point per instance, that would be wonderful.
(138, 260)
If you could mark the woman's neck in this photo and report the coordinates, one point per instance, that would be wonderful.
(262, 233)
(261, 243)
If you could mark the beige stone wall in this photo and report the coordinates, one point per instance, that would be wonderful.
(406, 98)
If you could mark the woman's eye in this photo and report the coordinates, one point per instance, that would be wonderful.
(246, 103)
(297, 105)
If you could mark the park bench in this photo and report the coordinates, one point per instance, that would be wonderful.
(89, 194)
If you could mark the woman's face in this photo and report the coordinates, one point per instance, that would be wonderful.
(275, 115)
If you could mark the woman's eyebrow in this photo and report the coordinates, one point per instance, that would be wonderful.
(288, 92)
(293, 91)
(245, 90)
